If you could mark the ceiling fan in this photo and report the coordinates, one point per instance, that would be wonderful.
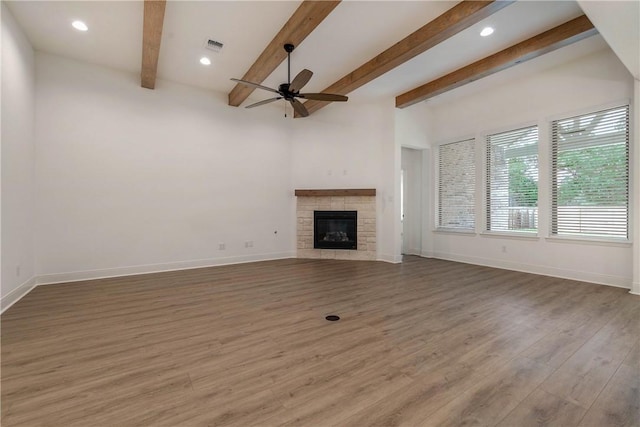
(291, 90)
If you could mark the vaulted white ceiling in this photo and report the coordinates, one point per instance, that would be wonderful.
(353, 33)
(619, 24)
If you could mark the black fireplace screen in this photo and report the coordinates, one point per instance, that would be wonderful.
(335, 229)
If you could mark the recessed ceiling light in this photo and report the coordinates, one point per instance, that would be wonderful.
(79, 25)
(486, 31)
(205, 61)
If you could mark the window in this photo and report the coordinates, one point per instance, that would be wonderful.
(590, 175)
(512, 180)
(456, 185)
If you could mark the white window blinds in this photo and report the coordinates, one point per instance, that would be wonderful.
(590, 174)
(456, 185)
(512, 180)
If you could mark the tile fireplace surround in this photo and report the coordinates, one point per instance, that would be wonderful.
(361, 200)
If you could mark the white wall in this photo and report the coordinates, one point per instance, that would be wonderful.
(619, 24)
(352, 146)
(511, 99)
(413, 126)
(132, 180)
(18, 100)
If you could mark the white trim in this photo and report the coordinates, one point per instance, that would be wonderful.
(480, 216)
(634, 185)
(17, 294)
(485, 202)
(600, 279)
(589, 110)
(436, 181)
(393, 259)
(513, 235)
(48, 279)
(414, 147)
(460, 231)
(589, 241)
(507, 128)
(466, 137)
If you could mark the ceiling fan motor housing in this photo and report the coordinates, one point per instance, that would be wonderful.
(284, 90)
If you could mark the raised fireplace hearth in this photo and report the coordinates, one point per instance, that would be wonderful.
(334, 239)
(335, 230)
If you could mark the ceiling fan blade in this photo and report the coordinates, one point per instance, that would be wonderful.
(299, 108)
(266, 101)
(300, 80)
(256, 85)
(323, 97)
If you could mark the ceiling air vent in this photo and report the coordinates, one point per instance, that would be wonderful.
(213, 45)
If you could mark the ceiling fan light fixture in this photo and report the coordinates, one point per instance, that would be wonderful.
(205, 61)
(79, 25)
(486, 31)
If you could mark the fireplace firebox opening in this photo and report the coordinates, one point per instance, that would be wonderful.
(335, 230)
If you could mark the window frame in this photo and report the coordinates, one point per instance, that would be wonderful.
(486, 203)
(584, 238)
(454, 230)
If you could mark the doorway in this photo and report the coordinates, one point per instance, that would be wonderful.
(411, 201)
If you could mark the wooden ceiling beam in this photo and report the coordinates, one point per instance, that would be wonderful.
(303, 21)
(461, 16)
(562, 35)
(151, 36)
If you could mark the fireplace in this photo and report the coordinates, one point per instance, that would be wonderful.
(362, 202)
(335, 230)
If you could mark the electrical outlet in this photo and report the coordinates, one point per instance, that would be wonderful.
(221, 246)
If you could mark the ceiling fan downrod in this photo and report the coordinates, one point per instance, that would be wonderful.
(289, 48)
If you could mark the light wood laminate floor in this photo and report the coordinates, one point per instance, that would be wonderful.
(427, 342)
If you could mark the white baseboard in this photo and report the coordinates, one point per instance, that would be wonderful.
(16, 294)
(393, 259)
(635, 288)
(600, 279)
(49, 279)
